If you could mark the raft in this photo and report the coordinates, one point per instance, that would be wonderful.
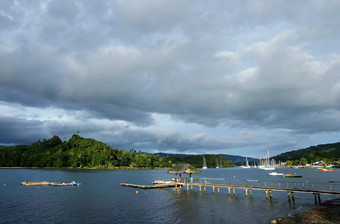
(46, 183)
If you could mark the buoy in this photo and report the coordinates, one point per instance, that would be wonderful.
(136, 192)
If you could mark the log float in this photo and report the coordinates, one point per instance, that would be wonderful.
(46, 183)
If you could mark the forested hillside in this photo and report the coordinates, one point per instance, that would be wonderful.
(326, 152)
(80, 152)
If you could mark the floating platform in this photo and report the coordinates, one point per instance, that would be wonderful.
(46, 183)
(151, 186)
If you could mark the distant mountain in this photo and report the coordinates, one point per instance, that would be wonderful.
(238, 159)
(161, 154)
(234, 159)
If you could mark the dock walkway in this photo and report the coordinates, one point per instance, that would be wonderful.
(249, 185)
(152, 186)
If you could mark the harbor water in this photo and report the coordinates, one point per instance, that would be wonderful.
(101, 198)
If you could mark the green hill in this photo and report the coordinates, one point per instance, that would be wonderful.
(80, 152)
(326, 152)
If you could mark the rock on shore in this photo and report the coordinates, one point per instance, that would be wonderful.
(326, 213)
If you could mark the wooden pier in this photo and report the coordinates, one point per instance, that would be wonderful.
(250, 185)
(268, 186)
(152, 186)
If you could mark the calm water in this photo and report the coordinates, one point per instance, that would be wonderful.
(102, 200)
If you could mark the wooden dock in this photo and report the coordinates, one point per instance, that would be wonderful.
(250, 185)
(268, 186)
(152, 186)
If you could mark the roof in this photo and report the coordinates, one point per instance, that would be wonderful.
(184, 168)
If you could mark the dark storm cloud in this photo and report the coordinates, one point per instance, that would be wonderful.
(19, 131)
(237, 65)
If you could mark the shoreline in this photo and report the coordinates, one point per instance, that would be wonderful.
(89, 168)
(327, 212)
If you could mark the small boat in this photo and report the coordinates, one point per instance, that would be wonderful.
(268, 168)
(204, 163)
(163, 182)
(73, 183)
(291, 176)
(327, 170)
(247, 164)
(275, 174)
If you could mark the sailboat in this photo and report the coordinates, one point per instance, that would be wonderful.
(247, 164)
(255, 165)
(217, 166)
(204, 163)
(266, 164)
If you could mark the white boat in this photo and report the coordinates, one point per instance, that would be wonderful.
(204, 163)
(268, 168)
(275, 174)
(254, 166)
(217, 166)
(266, 164)
(247, 164)
(163, 182)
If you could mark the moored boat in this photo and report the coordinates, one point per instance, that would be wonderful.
(247, 164)
(327, 170)
(204, 163)
(275, 174)
(291, 176)
(163, 182)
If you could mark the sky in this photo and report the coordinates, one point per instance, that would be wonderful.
(179, 76)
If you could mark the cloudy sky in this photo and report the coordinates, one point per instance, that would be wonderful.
(184, 76)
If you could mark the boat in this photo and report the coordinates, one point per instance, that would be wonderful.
(73, 183)
(327, 170)
(254, 165)
(266, 164)
(268, 168)
(276, 174)
(204, 163)
(163, 182)
(291, 176)
(247, 164)
(46, 183)
(217, 166)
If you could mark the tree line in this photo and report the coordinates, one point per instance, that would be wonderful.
(328, 153)
(80, 152)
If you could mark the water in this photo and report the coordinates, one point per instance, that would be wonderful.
(102, 200)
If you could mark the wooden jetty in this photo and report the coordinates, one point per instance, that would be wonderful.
(46, 183)
(250, 185)
(152, 186)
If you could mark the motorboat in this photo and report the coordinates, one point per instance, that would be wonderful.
(276, 174)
